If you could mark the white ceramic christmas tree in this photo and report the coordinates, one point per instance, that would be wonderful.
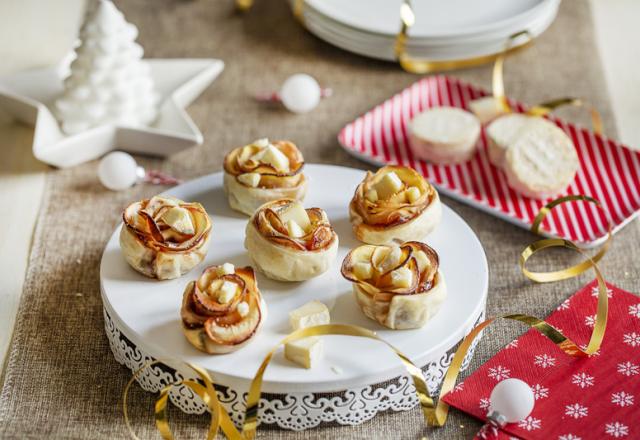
(108, 82)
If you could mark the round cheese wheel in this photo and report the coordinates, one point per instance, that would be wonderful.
(542, 162)
(444, 135)
(503, 132)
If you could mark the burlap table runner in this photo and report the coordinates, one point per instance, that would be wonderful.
(61, 380)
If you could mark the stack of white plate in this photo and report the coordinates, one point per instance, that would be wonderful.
(443, 30)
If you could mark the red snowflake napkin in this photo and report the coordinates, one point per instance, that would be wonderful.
(595, 397)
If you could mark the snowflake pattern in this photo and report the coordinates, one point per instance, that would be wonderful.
(632, 339)
(569, 437)
(530, 423)
(512, 344)
(458, 387)
(622, 399)
(539, 392)
(616, 429)
(576, 411)
(484, 403)
(583, 380)
(595, 291)
(628, 369)
(499, 372)
(544, 360)
(564, 305)
(634, 310)
(590, 321)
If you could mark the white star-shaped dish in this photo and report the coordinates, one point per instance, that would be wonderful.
(28, 97)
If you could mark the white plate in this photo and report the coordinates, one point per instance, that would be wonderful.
(434, 18)
(147, 311)
(382, 47)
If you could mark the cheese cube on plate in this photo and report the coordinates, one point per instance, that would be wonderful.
(305, 352)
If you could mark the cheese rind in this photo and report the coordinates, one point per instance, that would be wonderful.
(179, 219)
(389, 185)
(249, 179)
(311, 314)
(305, 352)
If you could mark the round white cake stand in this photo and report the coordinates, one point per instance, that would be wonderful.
(356, 379)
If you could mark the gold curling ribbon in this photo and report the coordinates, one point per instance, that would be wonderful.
(220, 418)
(422, 66)
(434, 414)
(244, 5)
(542, 109)
(437, 413)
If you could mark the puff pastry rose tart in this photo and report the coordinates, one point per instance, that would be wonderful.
(223, 309)
(395, 203)
(262, 172)
(398, 286)
(290, 243)
(164, 237)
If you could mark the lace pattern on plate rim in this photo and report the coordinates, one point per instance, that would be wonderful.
(294, 411)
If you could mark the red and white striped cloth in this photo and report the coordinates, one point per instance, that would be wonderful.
(609, 171)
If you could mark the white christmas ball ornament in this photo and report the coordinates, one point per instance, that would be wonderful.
(118, 171)
(300, 93)
(513, 399)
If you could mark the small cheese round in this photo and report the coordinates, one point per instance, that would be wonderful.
(503, 132)
(444, 135)
(542, 162)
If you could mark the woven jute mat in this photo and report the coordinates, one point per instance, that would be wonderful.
(61, 380)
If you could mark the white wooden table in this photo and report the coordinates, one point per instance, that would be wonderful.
(22, 177)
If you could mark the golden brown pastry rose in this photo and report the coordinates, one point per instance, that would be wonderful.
(286, 256)
(262, 172)
(223, 309)
(164, 237)
(395, 203)
(398, 286)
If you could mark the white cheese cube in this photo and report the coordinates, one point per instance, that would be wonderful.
(305, 352)
(413, 194)
(249, 179)
(402, 277)
(243, 309)
(227, 291)
(362, 270)
(422, 260)
(296, 212)
(389, 185)
(392, 259)
(179, 220)
(311, 314)
(372, 196)
(226, 269)
(294, 229)
(274, 157)
(262, 143)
